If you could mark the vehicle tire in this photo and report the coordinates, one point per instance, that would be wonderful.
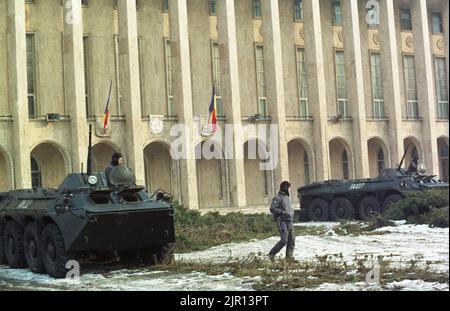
(389, 200)
(33, 249)
(318, 210)
(159, 255)
(2, 243)
(367, 206)
(14, 245)
(54, 253)
(341, 208)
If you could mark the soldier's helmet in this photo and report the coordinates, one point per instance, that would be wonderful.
(421, 169)
(121, 176)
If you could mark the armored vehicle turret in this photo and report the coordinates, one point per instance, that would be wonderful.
(86, 216)
(348, 199)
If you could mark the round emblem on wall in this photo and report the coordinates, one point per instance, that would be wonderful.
(261, 30)
(376, 39)
(302, 33)
(341, 36)
(440, 44)
(156, 125)
(409, 41)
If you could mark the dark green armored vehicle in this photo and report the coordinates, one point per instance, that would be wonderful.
(87, 216)
(349, 199)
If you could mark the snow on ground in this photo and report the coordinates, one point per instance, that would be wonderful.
(402, 244)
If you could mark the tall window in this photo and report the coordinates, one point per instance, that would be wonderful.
(87, 76)
(306, 168)
(216, 76)
(261, 80)
(84, 2)
(302, 82)
(257, 8)
(298, 10)
(341, 85)
(144, 112)
(405, 19)
(212, 7)
(436, 21)
(412, 105)
(36, 179)
(345, 164)
(377, 86)
(380, 160)
(31, 77)
(165, 6)
(169, 78)
(441, 88)
(336, 12)
(117, 73)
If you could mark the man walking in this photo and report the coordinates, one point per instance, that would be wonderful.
(282, 209)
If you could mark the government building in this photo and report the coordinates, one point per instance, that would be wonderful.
(351, 85)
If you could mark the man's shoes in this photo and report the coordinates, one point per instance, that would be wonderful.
(272, 257)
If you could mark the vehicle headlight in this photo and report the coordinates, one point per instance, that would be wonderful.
(92, 180)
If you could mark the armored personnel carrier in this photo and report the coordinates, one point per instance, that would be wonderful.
(348, 199)
(87, 216)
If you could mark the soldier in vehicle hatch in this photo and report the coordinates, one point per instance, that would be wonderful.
(117, 159)
(412, 169)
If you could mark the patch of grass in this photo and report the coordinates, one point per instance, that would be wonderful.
(310, 230)
(425, 207)
(291, 274)
(196, 232)
(352, 228)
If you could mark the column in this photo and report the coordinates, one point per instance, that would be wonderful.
(229, 63)
(355, 85)
(316, 85)
(74, 82)
(391, 79)
(130, 82)
(273, 62)
(17, 89)
(445, 22)
(181, 66)
(425, 86)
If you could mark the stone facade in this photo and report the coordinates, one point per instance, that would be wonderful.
(73, 51)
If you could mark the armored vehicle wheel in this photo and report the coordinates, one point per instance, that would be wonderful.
(341, 208)
(318, 210)
(2, 243)
(33, 249)
(389, 200)
(14, 245)
(159, 255)
(367, 206)
(54, 253)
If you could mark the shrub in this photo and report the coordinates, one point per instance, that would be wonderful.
(196, 232)
(425, 207)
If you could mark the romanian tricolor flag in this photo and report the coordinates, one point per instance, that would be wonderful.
(213, 109)
(106, 115)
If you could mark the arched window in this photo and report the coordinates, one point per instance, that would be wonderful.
(36, 179)
(443, 159)
(306, 168)
(345, 164)
(414, 153)
(380, 159)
